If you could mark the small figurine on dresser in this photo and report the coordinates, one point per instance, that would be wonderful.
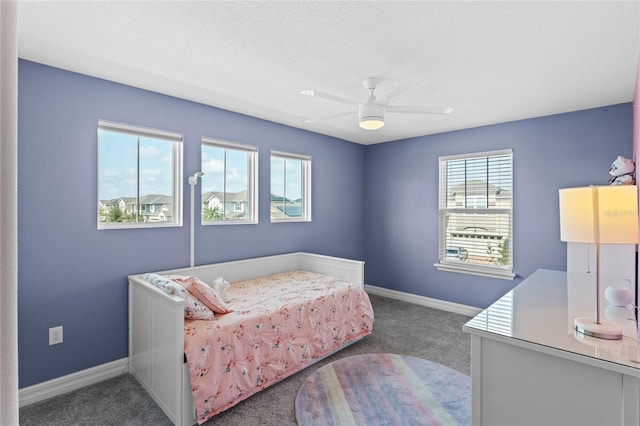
(622, 171)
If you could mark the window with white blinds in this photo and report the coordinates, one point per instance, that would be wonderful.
(476, 214)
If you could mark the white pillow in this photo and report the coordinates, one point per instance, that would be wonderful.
(193, 308)
(221, 286)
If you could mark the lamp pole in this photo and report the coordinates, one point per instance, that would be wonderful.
(193, 181)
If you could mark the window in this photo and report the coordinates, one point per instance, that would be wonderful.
(139, 177)
(290, 187)
(229, 185)
(476, 214)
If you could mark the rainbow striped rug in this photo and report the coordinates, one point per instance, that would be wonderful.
(384, 389)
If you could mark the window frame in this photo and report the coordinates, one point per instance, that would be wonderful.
(176, 151)
(494, 271)
(252, 181)
(305, 186)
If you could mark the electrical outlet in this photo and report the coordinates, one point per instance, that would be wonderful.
(55, 335)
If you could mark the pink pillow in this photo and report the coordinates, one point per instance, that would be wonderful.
(204, 294)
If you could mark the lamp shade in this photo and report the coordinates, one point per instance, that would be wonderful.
(371, 116)
(599, 214)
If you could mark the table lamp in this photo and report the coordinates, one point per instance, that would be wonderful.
(599, 215)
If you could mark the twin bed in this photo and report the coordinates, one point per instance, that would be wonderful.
(285, 312)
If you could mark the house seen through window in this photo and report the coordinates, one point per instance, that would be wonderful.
(476, 214)
(139, 174)
(290, 187)
(229, 184)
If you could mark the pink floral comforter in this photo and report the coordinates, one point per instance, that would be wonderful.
(279, 325)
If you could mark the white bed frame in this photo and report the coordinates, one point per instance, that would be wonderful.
(156, 322)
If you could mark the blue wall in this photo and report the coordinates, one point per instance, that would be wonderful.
(376, 203)
(73, 275)
(549, 153)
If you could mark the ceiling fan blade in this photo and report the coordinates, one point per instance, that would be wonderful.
(329, 96)
(418, 109)
(329, 117)
(404, 87)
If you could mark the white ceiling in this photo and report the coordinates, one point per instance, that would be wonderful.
(492, 62)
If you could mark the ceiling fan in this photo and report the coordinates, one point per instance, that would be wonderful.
(371, 113)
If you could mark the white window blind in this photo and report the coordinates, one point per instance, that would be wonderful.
(476, 214)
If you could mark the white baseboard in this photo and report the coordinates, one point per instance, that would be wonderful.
(70, 382)
(424, 301)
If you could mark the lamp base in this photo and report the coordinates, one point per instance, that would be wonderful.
(604, 330)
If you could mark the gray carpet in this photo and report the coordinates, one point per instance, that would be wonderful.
(399, 328)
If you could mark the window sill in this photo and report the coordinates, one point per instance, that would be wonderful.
(136, 225)
(475, 270)
(228, 222)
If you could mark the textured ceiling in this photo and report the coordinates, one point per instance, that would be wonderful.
(492, 62)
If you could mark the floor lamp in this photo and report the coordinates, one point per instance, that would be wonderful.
(193, 181)
(599, 215)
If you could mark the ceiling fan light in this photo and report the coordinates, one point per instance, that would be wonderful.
(371, 123)
(371, 116)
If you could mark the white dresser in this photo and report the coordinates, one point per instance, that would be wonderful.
(529, 366)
